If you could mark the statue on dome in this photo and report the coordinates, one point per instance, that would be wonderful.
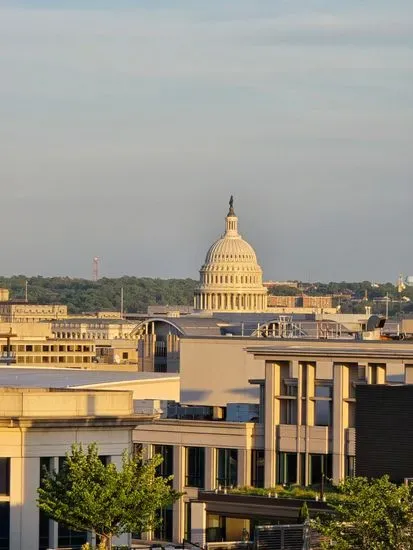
(231, 206)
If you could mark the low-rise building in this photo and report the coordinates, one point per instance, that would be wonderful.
(37, 428)
(23, 312)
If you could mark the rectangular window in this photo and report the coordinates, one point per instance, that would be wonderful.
(257, 468)
(227, 462)
(5, 476)
(350, 466)
(288, 411)
(44, 521)
(287, 468)
(187, 532)
(4, 525)
(323, 405)
(321, 466)
(167, 467)
(163, 531)
(195, 467)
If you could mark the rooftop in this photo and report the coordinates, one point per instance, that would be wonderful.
(34, 377)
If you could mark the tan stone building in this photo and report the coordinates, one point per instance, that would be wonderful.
(37, 427)
(15, 312)
(231, 278)
(303, 430)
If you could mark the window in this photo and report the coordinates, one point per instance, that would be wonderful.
(257, 468)
(187, 532)
(166, 468)
(227, 467)
(320, 465)
(195, 467)
(323, 405)
(44, 521)
(350, 466)
(5, 476)
(288, 411)
(4, 526)
(287, 468)
(164, 530)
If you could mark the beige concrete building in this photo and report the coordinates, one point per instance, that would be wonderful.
(303, 430)
(231, 278)
(37, 428)
(16, 312)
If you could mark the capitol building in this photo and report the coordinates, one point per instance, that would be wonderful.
(231, 278)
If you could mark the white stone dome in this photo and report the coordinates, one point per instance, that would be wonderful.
(230, 249)
(231, 278)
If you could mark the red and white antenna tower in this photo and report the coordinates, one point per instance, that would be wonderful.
(95, 269)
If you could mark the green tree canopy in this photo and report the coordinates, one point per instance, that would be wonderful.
(87, 494)
(369, 514)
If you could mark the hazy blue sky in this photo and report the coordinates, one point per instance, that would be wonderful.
(126, 125)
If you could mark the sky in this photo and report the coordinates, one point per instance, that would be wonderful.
(125, 126)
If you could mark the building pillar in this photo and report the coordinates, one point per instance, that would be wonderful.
(29, 537)
(309, 415)
(53, 525)
(178, 514)
(271, 386)
(338, 421)
(198, 523)
(16, 503)
(298, 367)
(244, 468)
(210, 468)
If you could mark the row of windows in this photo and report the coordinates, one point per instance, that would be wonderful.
(320, 467)
(65, 348)
(220, 279)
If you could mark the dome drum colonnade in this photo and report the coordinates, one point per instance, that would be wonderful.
(231, 279)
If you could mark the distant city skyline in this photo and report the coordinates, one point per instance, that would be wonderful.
(126, 127)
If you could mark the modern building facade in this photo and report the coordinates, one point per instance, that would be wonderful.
(301, 431)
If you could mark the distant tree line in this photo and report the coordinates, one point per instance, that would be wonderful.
(139, 292)
(85, 295)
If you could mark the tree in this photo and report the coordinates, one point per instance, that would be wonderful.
(374, 514)
(87, 494)
(303, 514)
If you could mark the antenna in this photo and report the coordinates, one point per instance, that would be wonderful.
(26, 299)
(121, 303)
(95, 269)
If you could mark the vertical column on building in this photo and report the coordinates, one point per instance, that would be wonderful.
(244, 467)
(16, 503)
(178, 485)
(272, 419)
(53, 525)
(309, 415)
(340, 419)
(210, 468)
(29, 537)
(198, 523)
(297, 368)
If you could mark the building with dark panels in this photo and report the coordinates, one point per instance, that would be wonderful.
(384, 427)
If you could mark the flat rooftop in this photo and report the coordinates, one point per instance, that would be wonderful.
(383, 349)
(33, 377)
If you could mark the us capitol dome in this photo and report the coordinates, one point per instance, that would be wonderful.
(231, 278)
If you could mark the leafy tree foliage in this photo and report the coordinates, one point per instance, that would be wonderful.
(86, 494)
(82, 295)
(369, 514)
